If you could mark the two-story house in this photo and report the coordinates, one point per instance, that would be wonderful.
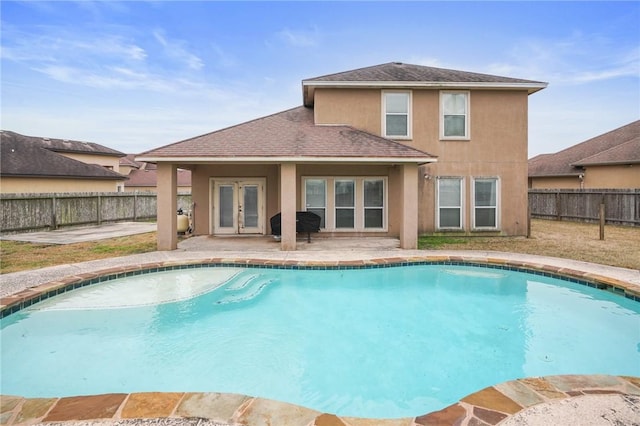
(389, 150)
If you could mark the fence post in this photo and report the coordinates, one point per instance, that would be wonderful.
(99, 212)
(135, 206)
(54, 219)
(558, 206)
(602, 220)
(528, 220)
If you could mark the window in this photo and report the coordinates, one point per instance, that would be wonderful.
(345, 201)
(373, 203)
(449, 203)
(485, 203)
(455, 115)
(347, 204)
(397, 115)
(316, 198)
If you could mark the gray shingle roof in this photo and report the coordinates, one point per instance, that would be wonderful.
(408, 75)
(619, 146)
(27, 156)
(397, 71)
(288, 134)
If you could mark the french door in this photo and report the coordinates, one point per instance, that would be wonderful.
(238, 206)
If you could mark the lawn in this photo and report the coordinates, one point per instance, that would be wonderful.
(579, 241)
(570, 240)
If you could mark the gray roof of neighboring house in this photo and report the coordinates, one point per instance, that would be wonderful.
(285, 135)
(619, 146)
(148, 177)
(397, 74)
(27, 156)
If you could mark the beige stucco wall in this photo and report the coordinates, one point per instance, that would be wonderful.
(201, 190)
(113, 163)
(36, 185)
(595, 177)
(568, 182)
(622, 177)
(497, 146)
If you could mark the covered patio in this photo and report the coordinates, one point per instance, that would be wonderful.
(361, 184)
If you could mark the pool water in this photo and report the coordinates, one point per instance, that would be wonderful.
(385, 342)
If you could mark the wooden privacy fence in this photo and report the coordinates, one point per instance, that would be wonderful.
(621, 206)
(36, 212)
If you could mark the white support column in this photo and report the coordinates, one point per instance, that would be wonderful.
(409, 211)
(288, 206)
(167, 185)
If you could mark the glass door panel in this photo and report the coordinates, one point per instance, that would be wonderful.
(249, 209)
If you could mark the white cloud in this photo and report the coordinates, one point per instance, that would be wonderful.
(177, 50)
(299, 38)
(573, 60)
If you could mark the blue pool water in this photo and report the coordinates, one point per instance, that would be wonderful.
(388, 342)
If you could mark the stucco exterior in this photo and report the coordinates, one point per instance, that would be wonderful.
(337, 151)
(12, 185)
(497, 145)
(624, 176)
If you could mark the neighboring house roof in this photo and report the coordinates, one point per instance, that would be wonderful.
(27, 156)
(149, 178)
(619, 146)
(288, 135)
(397, 74)
(129, 161)
(65, 145)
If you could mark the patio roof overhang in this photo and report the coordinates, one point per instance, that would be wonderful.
(284, 159)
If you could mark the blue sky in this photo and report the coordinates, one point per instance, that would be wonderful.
(136, 75)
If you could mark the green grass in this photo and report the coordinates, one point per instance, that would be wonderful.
(431, 242)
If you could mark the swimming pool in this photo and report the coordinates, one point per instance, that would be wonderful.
(384, 342)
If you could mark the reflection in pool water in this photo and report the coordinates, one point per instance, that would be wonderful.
(384, 342)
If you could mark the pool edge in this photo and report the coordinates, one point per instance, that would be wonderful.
(491, 405)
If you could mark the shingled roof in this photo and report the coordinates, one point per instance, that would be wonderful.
(619, 146)
(397, 74)
(285, 136)
(28, 156)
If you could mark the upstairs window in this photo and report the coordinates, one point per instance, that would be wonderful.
(455, 115)
(397, 115)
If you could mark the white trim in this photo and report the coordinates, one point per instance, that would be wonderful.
(330, 207)
(409, 113)
(473, 204)
(237, 183)
(467, 116)
(431, 84)
(272, 160)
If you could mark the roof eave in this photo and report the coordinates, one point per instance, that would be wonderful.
(286, 159)
(308, 87)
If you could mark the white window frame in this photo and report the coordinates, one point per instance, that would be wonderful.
(359, 208)
(409, 114)
(461, 207)
(326, 196)
(467, 114)
(384, 203)
(474, 207)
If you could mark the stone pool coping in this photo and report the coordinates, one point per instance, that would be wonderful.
(489, 406)
(28, 296)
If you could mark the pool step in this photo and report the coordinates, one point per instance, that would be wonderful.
(243, 288)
